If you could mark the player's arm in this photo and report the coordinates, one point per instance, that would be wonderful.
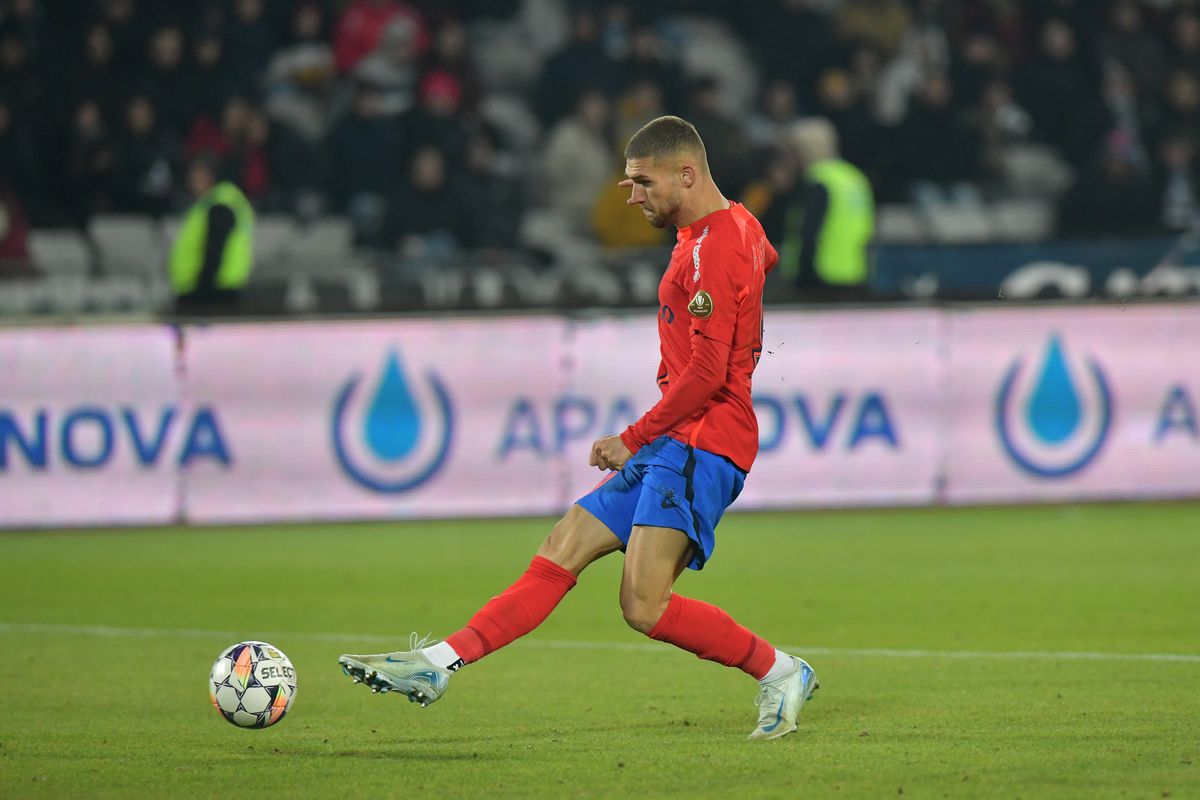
(713, 316)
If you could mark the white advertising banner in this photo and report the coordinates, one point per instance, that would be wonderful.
(413, 418)
(462, 417)
(1064, 404)
(91, 431)
(848, 409)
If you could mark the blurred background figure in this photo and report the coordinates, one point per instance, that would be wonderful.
(828, 220)
(213, 253)
(994, 123)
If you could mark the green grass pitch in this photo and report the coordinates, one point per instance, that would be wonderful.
(1029, 660)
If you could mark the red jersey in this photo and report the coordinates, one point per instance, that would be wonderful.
(710, 333)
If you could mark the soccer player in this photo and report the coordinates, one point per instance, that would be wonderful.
(673, 472)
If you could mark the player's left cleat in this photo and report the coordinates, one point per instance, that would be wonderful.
(408, 672)
(779, 702)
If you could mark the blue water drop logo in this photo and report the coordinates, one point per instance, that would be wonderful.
(1065, 428)
(1054, 410)
(389, 425)
(393, 422)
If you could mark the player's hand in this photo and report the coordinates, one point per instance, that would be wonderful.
(609, 452)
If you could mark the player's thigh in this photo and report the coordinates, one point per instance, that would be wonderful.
(577, 540)
(654, 559)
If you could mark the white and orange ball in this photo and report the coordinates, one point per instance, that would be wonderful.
(252, 684)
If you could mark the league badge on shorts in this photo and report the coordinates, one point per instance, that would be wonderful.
(701, 305)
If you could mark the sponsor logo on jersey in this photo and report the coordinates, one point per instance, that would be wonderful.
(1054, 422)
(701, 305)
(696, 255)
(396, 438)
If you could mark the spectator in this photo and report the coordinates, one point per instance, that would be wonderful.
(167, 83)
(97, 75)
(143, 175)
(300, 77)
(581, 65)
(850, 115)
(213, 253)
(1110, 198)
(977, 64)
(725, 142)
(362, 165)
(425, 216)
(392, 68)
(829, 222)
(1127, 116)
(1182, 110)
(20, 168)
(361, 25)
(635, 106)
(1184, 50)
(451, 55)
(1001, 124)
(940, 147)
(795, 41)
(437, 120)
(250, 41)
(1060, 91)
(19, 77)
(880, 23)
(14, 238)
(211, 82)
(578, 160)
(130, 31)
(1127, 42)
(489, 198)
(648, 60)
(206, 138)
(90, 160)
(249, 162)
(778, 111)
(1179, 184)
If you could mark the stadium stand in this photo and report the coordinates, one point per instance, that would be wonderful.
(973, 120)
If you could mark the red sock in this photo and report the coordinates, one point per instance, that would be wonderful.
(514, 612)
(712, 634)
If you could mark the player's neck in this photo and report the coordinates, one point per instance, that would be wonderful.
(709, 201)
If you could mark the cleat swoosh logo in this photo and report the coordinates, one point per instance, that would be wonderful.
(391, 660)
(430, 676)
(778, 718)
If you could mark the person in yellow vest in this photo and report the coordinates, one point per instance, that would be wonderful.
(213, 252)
(827, 227)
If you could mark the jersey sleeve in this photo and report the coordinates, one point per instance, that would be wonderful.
(712, 313)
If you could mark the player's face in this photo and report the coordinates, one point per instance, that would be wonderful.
(655, 187)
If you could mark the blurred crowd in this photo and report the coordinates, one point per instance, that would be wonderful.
(442, 126)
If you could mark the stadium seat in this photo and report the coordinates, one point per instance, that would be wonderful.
(899, 224)
(959, 223)
(1023, 220)
(275, 238)
(326, 245)
(59, 251)
(129, 244)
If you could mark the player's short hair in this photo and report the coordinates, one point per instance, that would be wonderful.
(665, 137)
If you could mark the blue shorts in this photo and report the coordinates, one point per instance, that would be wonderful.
(668, 484)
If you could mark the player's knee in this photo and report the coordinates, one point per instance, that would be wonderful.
(641, 613)
(566, 546)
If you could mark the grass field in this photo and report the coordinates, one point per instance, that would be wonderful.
(962, 653)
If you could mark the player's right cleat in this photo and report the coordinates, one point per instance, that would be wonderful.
(408, 672)
(779, 702)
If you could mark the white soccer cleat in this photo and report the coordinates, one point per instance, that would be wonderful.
(779, 702)
(408, 672)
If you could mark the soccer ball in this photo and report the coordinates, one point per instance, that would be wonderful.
(252, 684)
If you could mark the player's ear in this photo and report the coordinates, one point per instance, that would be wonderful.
(687, 175)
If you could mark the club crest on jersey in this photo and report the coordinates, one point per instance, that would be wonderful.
(701, 305)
